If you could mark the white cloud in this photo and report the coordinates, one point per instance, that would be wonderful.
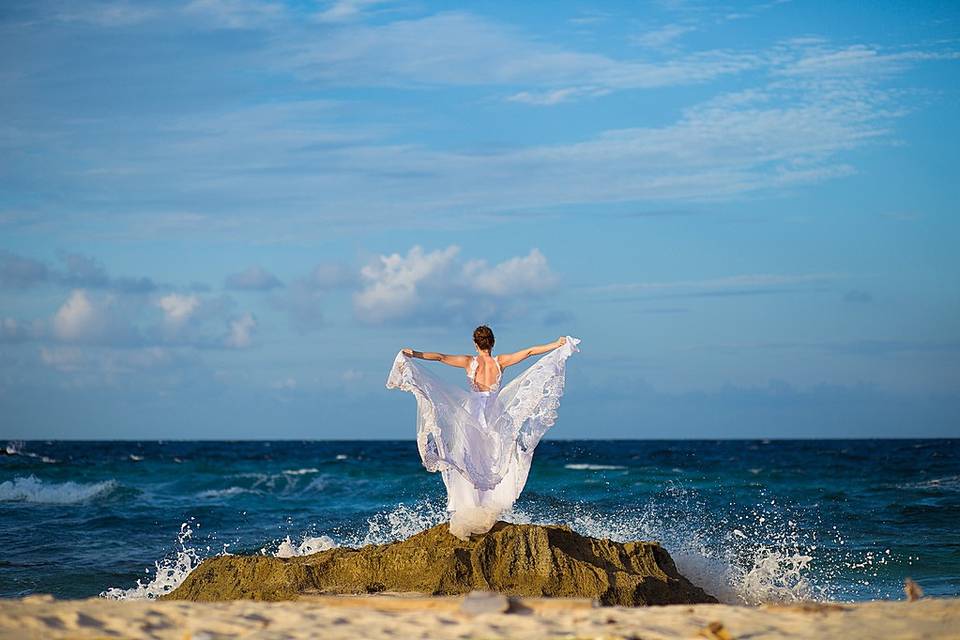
(92, 319)
(436, 286)
(78, 318)
(178, 307)
(191, 320)
(516, 276)
(392, 283)
(241, 331)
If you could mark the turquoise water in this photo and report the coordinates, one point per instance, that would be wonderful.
(750, 521)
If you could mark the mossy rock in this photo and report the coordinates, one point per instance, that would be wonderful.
(513, 559)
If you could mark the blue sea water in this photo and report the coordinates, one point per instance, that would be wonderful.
(750, 521)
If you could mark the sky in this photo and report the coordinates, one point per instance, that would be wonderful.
(223, 218)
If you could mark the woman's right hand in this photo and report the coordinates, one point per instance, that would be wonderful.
(408, 353)
(561, 341)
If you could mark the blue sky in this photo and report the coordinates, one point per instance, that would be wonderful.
(222, 219)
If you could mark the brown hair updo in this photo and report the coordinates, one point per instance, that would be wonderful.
(483, 337)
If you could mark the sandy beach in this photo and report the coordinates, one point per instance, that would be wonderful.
(404, 616)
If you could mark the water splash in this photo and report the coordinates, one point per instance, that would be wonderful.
(308, 546)
(399, 523)
(756, 554)
(169, 573)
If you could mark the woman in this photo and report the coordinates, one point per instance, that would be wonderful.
(481, 439)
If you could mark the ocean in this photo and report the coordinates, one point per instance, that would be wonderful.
(749, 520)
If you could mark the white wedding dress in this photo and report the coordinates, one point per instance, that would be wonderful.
(482, 442)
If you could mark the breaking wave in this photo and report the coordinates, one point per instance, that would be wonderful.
(32, 489)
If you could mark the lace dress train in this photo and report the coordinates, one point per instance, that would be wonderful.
(482, 442)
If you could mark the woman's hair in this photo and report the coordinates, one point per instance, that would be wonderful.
(483, 337)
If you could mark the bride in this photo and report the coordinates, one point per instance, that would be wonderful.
(481, 440)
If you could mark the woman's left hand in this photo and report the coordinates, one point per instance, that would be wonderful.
(408, 353)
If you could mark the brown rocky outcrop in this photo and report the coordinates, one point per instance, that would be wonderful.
(513, 559)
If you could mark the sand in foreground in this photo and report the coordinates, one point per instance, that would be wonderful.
(396, 616)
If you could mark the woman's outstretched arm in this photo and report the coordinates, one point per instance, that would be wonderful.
(508, 359)
(453, 361)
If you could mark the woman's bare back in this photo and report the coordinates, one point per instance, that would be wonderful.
(484, 372)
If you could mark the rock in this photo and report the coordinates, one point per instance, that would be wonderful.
(512, 559)
(479, 602)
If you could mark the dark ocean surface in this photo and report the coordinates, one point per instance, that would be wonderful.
(750, 521)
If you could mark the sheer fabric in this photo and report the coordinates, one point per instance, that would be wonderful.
(482, 442)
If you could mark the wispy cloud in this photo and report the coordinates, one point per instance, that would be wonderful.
(746, 284)
(461, 49)
(747, 142)
(661, 37)
(556, 96)
(347, 10)
(209, 166)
